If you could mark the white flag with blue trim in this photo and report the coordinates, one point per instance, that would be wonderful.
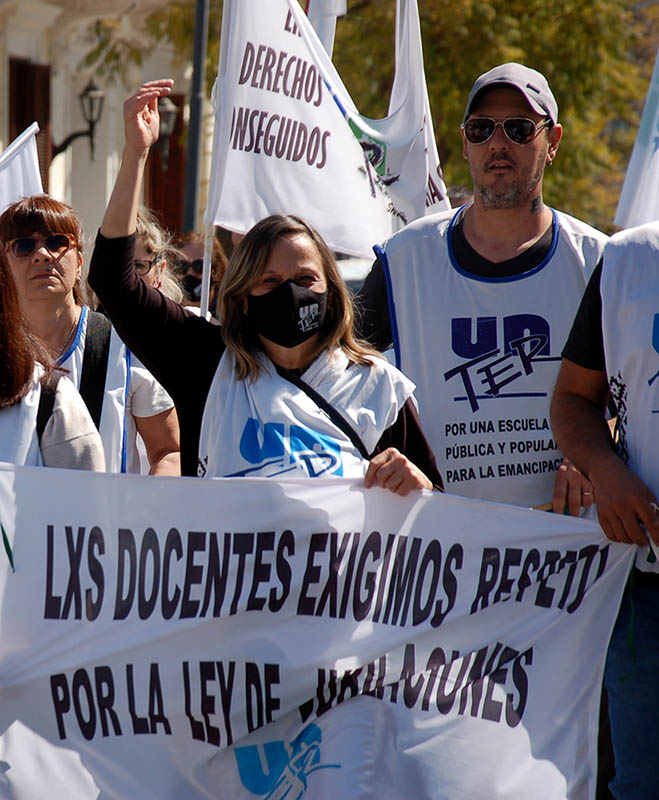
(288, 137)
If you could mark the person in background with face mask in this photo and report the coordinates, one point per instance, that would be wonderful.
(190, 266)
(281, 388)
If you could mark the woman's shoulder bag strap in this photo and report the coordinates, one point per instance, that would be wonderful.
(338, 419)
(46, 402)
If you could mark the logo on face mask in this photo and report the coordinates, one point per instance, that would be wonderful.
(309, 317)
(288, 315)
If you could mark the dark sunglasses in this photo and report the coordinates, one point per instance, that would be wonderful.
(143, 266)
(184, 266)
(55, 243)
(519, 130)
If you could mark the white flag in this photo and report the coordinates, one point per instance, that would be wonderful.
(639, 199)
(322, 15)
(288, 137)
(401, 146)
(19, 168)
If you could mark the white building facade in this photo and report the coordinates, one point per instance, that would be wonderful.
(43, 44)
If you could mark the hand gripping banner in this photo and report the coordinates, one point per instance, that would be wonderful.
(248, 638)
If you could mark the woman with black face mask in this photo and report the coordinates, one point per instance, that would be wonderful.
(190, 266)
(282, 388)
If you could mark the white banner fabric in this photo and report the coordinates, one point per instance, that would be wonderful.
(639, 199)
(288, 137)
(19, 168)
(246, 638)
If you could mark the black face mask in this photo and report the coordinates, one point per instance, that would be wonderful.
(288, 315)
(192, 286)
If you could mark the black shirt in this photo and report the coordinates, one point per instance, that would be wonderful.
(182, 351)
(372, 303)
(585, 344)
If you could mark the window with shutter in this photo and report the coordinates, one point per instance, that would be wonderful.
(164, 188)
(29, 101)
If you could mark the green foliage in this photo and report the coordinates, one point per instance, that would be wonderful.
(111, 54)
(597, 55)
(176, 22)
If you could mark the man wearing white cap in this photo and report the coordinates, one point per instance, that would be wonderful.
(478, 302)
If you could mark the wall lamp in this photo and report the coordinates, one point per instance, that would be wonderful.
(91, 102)
(168, 112)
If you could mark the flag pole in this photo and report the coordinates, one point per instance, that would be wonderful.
(217, 167)
(192, 158)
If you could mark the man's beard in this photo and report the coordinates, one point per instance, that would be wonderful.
(512, 194)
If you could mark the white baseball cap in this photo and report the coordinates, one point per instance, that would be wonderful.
(531, 83)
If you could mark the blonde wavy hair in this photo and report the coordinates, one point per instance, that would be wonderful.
(158, 242)
(246, 265)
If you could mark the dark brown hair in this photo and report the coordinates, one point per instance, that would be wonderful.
(19, 348)
(42, 214)
(218, 256)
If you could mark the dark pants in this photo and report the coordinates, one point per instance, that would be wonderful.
(632, 684)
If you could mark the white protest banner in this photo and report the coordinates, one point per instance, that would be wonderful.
(286, 133)
(322, 15)
(639, 199)
(281, 143)
(248, 638)
(19, 168)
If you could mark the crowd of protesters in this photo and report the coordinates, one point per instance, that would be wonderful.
(468, 302)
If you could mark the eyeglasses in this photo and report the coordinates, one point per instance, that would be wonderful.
(143, 266)
(519, 130)
(56, 243)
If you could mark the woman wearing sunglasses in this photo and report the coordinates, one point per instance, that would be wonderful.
(282, 388)
(43, 420)
(190, 266)
(42, 241)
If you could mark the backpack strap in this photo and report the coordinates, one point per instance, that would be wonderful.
(95, 364)
(46, 401)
